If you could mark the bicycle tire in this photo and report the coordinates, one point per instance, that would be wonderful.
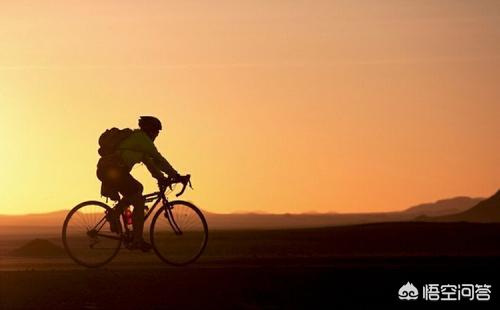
(67, 242)
(202, 233)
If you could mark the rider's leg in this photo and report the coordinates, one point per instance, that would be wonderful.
(138, 223)
(114, 216)
(122, 205)
(131, 190)
(138, 216)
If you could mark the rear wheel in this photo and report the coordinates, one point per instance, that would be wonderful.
(87, 235)
(179, 233)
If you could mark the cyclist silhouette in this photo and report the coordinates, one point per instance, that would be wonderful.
(113, 170)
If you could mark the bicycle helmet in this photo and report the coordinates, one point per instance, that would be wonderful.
(149, 123)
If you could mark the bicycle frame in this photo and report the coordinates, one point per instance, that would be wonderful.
(157, 197)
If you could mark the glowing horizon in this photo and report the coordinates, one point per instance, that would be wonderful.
(271, 106)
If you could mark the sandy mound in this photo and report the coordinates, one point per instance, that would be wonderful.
(38, 248)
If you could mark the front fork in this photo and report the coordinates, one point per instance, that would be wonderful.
(170, 217)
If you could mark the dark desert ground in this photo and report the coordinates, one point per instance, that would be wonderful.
(342, 266)
(321, 268)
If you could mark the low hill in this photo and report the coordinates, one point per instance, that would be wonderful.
(486, 211)
(444, 207)
(38, 248)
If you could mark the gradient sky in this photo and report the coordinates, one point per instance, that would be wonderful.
(276, 106)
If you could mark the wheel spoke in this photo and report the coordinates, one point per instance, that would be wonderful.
(179, 249)
(84, 241)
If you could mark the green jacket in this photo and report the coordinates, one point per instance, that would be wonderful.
(139, 147)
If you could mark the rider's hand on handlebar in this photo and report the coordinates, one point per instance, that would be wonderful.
(174, 178)
(162, 181)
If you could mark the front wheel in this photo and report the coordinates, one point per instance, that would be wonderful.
(87, 235)
(179, 233)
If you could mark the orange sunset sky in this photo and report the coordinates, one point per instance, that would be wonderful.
(276, 106)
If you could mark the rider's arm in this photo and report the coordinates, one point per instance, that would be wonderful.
(157, 159)
(164, 166)
(153, 169)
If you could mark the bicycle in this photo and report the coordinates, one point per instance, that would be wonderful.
(178, 231)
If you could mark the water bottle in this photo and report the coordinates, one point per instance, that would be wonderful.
(127, 215)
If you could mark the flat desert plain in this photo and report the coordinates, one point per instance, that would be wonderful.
(345, 266)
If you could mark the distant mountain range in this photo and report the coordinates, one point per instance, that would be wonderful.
(39, 219)
(256, 220)
(441, 209)
(486, 211)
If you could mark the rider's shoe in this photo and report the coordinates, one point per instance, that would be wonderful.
(114, 221)
(140, 245)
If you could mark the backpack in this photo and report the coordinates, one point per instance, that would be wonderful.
(111, 139)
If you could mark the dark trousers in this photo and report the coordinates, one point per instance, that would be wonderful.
(116, 179)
